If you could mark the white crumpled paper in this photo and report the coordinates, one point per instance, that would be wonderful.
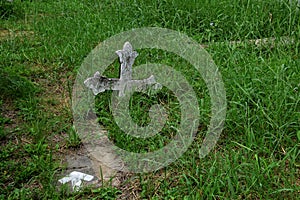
(76, 179)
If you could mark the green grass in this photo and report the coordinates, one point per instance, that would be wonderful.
(257, 156)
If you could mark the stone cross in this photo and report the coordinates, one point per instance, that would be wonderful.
(99, 83)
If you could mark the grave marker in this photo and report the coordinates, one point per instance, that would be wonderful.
(99, 83)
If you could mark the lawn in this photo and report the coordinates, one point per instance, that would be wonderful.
(43, 44)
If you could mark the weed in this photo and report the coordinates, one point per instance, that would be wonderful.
(73, 139)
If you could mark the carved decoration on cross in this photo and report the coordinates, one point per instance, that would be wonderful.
(99, 83)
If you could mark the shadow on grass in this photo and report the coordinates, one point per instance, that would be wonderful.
(14, 86)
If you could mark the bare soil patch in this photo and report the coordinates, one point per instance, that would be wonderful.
(9, 34)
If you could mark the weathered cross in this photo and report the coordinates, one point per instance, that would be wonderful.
(127, 56)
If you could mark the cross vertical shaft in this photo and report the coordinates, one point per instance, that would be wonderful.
(127, 57)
